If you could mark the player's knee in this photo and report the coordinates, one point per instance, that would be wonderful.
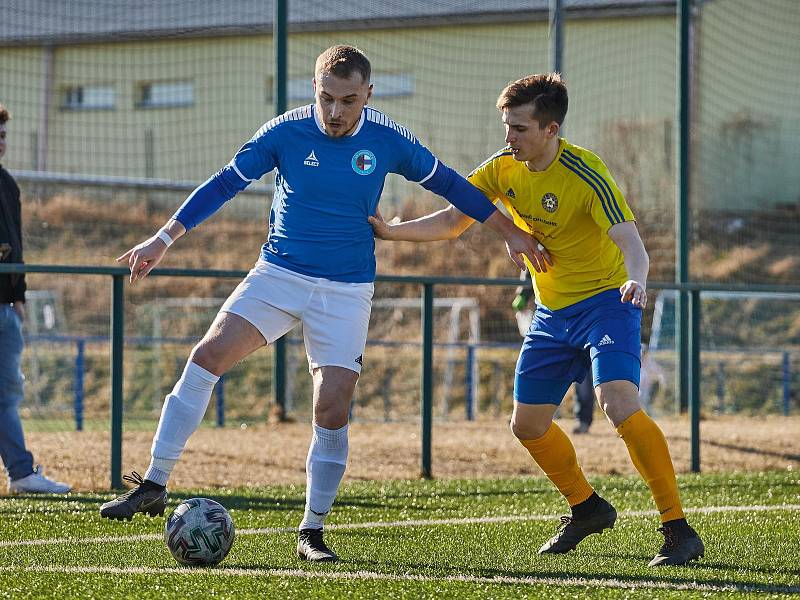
(206, 356)
(332, 414)
(527, 429)
(618, 399)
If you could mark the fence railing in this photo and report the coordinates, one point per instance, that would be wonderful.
(722, 373)
(691, 329)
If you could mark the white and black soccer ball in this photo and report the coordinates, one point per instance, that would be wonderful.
(199, 532)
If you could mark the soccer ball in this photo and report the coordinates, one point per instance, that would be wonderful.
(199, 532)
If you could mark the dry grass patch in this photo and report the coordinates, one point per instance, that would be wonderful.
(276, 454)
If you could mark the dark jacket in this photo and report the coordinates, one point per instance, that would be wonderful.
(12, 286)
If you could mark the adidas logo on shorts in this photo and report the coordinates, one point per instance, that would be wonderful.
(605, 341)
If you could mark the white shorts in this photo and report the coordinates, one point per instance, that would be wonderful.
(334, 314)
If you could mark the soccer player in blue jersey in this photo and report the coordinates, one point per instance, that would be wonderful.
(317, 268)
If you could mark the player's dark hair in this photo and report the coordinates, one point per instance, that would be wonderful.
(547, 92)
(4, 115)
(342, 61)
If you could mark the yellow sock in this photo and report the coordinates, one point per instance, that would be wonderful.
(650, 455)
(555, 454)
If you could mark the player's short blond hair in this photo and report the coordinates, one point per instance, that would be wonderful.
(343, 61)
(546, 92)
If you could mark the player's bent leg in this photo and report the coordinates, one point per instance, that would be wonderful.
(552, 450)
(649, 453)
(229, 339)
(327, 457)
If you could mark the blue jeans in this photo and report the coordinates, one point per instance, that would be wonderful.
(16, 458)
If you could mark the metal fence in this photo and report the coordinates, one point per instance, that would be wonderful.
(425, 341)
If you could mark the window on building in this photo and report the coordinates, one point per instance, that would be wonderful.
(89, 97)
(385, 85)
(165, 94)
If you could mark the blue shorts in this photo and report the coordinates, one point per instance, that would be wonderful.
(551, 356)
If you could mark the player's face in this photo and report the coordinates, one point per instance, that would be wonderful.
(340, 101)
(526, 137)
(2, 140)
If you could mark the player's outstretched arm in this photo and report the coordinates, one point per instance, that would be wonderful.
(472, 202)
(143, 257)
(445, 224)
(637, 263)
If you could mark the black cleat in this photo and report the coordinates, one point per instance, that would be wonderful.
(311, 546)
(680, 546)
(572, 531)
(146, 497)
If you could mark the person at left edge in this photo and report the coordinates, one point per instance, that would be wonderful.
(317, 268)
(23, 476)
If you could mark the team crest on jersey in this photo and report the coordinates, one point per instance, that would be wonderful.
(363, 162)
(549, 202)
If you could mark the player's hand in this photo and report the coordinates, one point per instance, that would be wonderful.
(634, 292)
(380, 227)
(143, 257)
(521, 242)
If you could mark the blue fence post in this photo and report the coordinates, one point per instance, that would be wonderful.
(469, 402)
(221, 402)
(80, 346)
(787, 378)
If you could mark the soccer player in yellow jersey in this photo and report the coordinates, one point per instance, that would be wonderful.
(590, 279)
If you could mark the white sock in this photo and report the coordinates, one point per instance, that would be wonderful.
(181, 415)
(327, 459)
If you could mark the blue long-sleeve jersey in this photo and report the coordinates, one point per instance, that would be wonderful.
(326, 187)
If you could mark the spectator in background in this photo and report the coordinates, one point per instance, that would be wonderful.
(23, 477)
(583, 409)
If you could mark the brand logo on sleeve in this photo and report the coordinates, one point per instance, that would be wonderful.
(363, 162)
(311, 160)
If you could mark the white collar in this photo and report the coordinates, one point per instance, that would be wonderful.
(351, 134)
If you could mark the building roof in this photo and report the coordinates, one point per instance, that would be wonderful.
(26, 22)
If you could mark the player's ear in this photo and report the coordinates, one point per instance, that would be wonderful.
(553, 129)
(314, 84)
(369, 93)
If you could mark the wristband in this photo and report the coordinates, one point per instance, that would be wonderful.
(165, 237)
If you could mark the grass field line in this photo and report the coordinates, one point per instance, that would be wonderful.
(391, 524)
(593, 582)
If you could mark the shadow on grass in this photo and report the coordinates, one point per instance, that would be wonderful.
(684, 577)
(59, 503)
(744, 449)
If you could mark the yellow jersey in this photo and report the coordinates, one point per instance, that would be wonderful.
(569, 207)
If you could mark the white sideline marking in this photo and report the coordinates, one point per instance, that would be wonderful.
(386, 524)
(371, 575)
